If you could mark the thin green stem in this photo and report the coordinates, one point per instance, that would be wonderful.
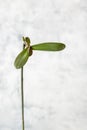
(22, 97)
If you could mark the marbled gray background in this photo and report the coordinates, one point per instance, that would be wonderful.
(55, 83)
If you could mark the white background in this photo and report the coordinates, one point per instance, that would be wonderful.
(55, 82)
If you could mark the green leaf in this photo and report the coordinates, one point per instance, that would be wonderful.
(49, 46)
(22, 58)
(27, 39)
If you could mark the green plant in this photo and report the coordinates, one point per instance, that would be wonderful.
(24, 55)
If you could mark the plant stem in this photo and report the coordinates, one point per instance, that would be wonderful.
(22, 98)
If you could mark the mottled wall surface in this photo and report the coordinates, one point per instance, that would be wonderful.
(55, 83)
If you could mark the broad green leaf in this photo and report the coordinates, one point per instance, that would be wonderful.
(22, 58)
(49, 46)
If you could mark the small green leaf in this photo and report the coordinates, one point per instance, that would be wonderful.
(27, 39)
(49, 46)
(24, 39)
(22, 58)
